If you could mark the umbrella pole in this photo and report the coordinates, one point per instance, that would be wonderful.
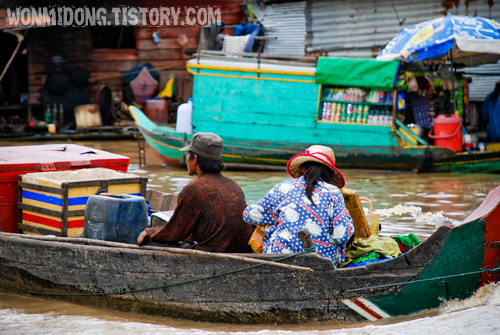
(453, 82)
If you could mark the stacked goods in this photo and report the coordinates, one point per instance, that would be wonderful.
(356, 105)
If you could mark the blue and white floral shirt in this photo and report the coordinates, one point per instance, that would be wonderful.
(287, 208)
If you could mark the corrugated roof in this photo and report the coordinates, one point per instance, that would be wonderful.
(286, 22)
(482, 85)
(362, 28)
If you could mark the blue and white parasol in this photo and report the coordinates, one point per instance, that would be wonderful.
(434, 38)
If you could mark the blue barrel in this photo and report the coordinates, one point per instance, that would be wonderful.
(119, 218)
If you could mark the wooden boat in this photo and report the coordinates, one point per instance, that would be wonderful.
(451, 264)
(267, 112)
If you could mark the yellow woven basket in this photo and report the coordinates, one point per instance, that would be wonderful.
(372, 219)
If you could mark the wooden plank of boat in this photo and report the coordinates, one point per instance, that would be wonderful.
(146, 247)
(451, 264)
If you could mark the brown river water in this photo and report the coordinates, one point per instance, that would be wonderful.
(443, 196)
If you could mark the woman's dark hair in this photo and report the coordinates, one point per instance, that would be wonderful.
(208, 165)
(314, 171)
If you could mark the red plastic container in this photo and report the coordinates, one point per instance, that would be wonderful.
(447, 132)
(19, 160)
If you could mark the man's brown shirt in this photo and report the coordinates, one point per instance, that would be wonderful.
(209, 211)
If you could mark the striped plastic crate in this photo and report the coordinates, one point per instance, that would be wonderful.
(53, 203)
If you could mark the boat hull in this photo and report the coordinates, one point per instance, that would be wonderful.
(241, 153)
(198, 286)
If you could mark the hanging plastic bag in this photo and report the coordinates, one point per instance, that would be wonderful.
(413, 85)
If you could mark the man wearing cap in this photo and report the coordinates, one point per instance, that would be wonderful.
(208, 212)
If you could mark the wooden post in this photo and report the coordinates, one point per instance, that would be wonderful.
(394, 113)
(353, 204)
(144, 181)
(18, 202)
(64, 216)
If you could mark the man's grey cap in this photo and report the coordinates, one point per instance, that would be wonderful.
(208, 145)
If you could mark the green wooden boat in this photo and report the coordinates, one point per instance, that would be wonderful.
(266, 113)
(451, 264)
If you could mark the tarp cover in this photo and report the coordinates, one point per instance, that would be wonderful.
(357, 72)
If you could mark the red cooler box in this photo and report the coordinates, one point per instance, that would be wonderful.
(19, 160)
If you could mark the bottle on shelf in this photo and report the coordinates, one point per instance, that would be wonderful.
(366, 113)
(339, 113)
(381, 98)
(48, 115)
(349, 112)
(334, 112)
(375, 117)
(61, 115)
(360, 114)
(54, 113)
(354, 115)
(390, 119)
(323, 112)
(343, 115)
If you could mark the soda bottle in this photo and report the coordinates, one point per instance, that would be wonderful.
(390, 119)
(375, 117)
(381, 97)
(360, 114)
(54, 113)
(334, 111)
(343, 115)
(323, 112)
(48, 114)
(61, 115)
(349, 112)
(386, 117)
(366, 113)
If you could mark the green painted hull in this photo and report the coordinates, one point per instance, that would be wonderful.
(422, 294)
(247, 154)
(474, 162)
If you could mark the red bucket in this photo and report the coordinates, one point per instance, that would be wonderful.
(447, 132)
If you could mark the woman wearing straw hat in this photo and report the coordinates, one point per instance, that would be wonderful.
(312, 200)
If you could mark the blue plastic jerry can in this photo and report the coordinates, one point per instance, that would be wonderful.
(118, 218)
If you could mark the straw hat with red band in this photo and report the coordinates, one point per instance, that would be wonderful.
(320, 154)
